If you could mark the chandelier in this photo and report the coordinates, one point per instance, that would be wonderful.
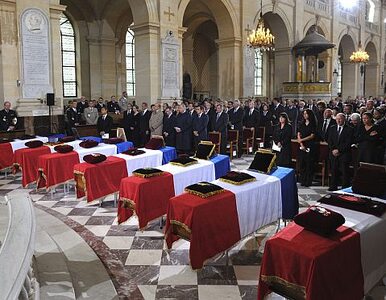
(262, 38)
(360, 56)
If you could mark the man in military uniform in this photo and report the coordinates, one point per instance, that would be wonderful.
(8, 118)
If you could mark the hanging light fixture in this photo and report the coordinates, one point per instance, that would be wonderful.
(360, 56)
(262, 38)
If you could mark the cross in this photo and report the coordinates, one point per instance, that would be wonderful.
(169, 13)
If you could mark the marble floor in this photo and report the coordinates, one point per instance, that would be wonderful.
(138, 263)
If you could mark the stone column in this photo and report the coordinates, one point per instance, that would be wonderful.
(283, 69)
(147, 62)
(350, 79)
(9, 58)
(229, 75)
(249, 72)
(103, 67)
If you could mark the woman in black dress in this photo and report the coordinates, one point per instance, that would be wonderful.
(266, 121)
(369, 139)
(135, 126)
(282, 137)
(307, 147)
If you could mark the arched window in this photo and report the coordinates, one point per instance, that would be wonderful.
(258, 77)
(67, 34)
(130, 63)
(370, 11)
(339, 76)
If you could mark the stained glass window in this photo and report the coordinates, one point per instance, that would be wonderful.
(130, 63)
(258, 78)
(67, 34)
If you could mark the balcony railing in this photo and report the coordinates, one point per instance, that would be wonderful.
(318, 5)
(17, 249)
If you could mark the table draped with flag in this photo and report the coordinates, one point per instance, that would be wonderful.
(257, 204)
(146, 197)
(345, 265)
(181, 177)
(211, 224)
(7, 150)
(58, 168)
(88, 178)
(95, 181)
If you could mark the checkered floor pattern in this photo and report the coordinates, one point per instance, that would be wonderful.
(159, 273)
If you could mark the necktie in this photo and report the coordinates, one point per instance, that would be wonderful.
(250, 113)
(324, 126)
(339, 130)
(218, 116)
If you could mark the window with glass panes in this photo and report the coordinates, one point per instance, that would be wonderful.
(339, 77)
(68, 57)
(130, 63)
(258, 78)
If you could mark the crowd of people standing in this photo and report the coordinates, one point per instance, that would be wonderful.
(343, 125)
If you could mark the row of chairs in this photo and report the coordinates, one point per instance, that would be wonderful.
(251, 140)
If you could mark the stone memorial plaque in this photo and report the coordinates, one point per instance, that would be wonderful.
(36, 54)
(170, 67)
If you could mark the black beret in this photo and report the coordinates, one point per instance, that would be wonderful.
(67, 139)
(34, 144)
(88, 144)
(155, 143)
(113, 141)
(63, 148)
(94, 158)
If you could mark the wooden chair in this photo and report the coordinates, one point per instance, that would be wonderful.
(248, 139)
(215, 138)
(321, 167)
(233, 141)
(260, 137)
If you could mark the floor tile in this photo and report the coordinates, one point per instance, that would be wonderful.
(148, 243)
(217, 275)
(86, 211)
(247, 275)
(223, 292)
(177, 292)
(98, 230)
(248, 292)
(177, 275)
(175, 257)
(122, 230)
(148, 291)
(80, 219)
(144, 257)
(118, 242)
(143, 275)
(100, 220)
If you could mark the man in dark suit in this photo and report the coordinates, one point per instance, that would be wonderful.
(236, 116)
(81, 105)
(211, 113)
(169, 122)
(339, 141)
(183, 128)
(105, 122)
(144, 129)
(220, 125)
(293, 113)
(73, 118)
(8, 118)
(325, 125)
(128, 122)
(199, 125)
(252, 116)
(277, 109)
